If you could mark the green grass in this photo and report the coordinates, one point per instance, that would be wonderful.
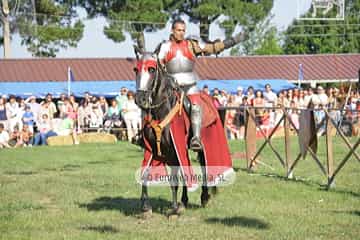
(89, 192)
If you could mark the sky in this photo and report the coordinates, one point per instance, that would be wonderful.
(94, 43)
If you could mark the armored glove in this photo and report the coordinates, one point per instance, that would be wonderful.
(228, 43)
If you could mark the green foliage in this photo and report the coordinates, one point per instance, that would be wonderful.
(263, 40)
(134, 16)
(270, 44)
(52, 28)
(237, 12)
(137, 16)
(312, 37)
(46, 27)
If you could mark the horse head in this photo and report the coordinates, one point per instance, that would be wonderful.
(153, 85)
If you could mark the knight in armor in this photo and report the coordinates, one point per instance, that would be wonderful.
(178, 56)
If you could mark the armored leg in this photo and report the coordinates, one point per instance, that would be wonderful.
(196, 120)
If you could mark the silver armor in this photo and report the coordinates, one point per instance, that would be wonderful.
(182, 69)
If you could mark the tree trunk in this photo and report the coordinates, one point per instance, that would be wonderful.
(6, 28)
(204, 29)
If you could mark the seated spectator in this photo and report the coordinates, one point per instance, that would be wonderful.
(66, 127)
(26, 137)
(84, 113)
(14, 136)
(4, 137)
(45, 131)
(28, 118)
(96, 115)
(112, 116)
(103, 106)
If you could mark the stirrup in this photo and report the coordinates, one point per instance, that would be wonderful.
(195, 144)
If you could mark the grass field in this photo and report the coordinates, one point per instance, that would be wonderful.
(89, 192)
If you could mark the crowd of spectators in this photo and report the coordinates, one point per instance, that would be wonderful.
(342, 105)
(28, 122)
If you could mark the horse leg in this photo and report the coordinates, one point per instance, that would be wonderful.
(174, 186)
(184, 196)
(145, 203)
(205, 196)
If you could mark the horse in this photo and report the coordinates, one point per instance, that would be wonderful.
(157, 94)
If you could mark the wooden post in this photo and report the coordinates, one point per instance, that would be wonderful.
(289, 172)
(250, 137)
(329, 151)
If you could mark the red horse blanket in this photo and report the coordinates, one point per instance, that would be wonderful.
(216, 152)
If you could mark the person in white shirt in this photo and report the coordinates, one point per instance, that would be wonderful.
(4, 137)
(323, 98)
(270, 101)
(269, 96)
(12, 107)
(132, 116)
(239, 96)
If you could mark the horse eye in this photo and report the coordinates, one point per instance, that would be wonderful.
(151, 70)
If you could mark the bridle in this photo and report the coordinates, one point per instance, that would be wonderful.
(155, 81)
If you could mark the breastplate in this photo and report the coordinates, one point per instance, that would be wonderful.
(180, 63)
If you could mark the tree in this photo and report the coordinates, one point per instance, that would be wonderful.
(246, 13)
(133, 16)
(137, 16)
(312, 37)
(45, 26)
(264, 40)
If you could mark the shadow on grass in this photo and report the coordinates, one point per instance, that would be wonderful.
(128, 206)
(69, 167)
(102, 162)
(101, 229)
(306, 182)
(355, 212)
(24, 173)
(334, 190)
(240, 222)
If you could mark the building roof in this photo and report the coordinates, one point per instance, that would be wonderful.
(315, 67)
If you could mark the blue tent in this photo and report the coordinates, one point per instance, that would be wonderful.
(111, 88)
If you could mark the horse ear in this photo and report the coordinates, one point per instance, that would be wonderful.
(138, 52)
(160, 66)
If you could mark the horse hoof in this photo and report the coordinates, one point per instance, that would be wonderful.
(176, 212)
(205, 201)
(173, 217)
(181, 208)
(147, 213)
